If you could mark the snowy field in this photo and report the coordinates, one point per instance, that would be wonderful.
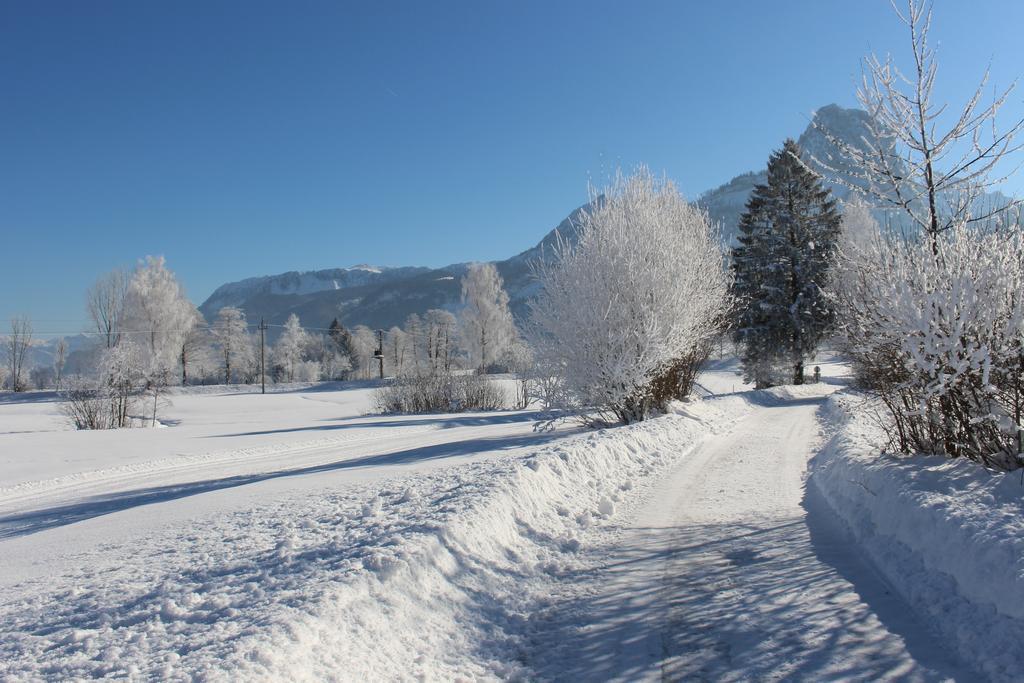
(293, 536)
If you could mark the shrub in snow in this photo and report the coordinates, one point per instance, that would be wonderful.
(108, 400)
(518, 360)
(440, 392)
(640, 290)
(935, 328)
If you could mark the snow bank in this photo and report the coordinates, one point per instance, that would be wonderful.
(947, 535)
(433, 576)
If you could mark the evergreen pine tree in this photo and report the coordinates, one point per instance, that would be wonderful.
(342, 340)
(787, 244)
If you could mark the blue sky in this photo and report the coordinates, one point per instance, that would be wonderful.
(248, 138)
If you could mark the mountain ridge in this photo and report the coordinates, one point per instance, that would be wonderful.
(384, 298)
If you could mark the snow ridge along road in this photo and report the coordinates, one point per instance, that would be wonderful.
(431, 568)
(731, 573)
(441, 547)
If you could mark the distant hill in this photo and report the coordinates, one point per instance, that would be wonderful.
(381, 297)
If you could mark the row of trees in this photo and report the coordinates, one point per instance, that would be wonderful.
(934, 320)
(150, 336)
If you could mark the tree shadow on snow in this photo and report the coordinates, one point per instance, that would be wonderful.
(442, 421)
(729, 602)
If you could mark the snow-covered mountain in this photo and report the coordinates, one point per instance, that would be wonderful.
(382, 297)
(727, 202)
(375, 296)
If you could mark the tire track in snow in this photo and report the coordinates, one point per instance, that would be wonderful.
(731, 574)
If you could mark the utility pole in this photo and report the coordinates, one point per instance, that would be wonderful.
(263, 367)
(379, 354)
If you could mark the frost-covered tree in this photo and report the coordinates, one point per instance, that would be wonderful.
(341, 338)
(644, 284)
(920, 158)
(518, 360)
(16, 347)
(859, 227)
(322, 353)
(941, 341)
(417, 340)
(105, 302)
(122, 379)
(440, 331)
(396, 350)
(60, 359)
(364, 345)
(230, 333)
(486, 323)
(159, 316)
(288, 351)
(193, 339)
(110, 399)
(787, 245)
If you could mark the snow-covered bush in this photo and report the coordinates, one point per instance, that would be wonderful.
(440, 392)
(518, 360)
(935, 327)
(640, 289)
(110, 399)
(85, 405)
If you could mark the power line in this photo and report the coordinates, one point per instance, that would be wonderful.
(208, 328)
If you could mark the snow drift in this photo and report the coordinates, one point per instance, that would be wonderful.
(432, 575)
(947, 535)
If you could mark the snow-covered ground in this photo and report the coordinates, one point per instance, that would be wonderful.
(946, 535)
(294, 537)
(728, 572)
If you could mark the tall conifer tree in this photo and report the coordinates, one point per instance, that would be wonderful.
(787, 244)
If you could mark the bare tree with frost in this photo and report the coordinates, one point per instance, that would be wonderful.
(919, 158)
(934, 320)
(105, 302)
(486, 323)
(16, 347)
(231, 335)
(289, 349)
(60, 359)
(644, 285)
(193, 339)
(158, 315)
(440, 337)
(941, 340)
(396, 349)
(364, 344)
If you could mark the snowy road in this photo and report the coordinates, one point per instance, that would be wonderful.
(729, 573)
(294, 537)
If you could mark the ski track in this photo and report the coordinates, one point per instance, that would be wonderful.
(729, 573)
